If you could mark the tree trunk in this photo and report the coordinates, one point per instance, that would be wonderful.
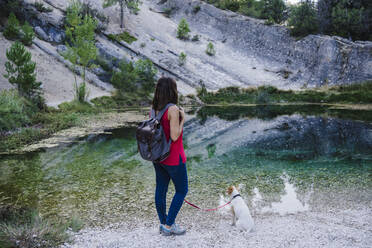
(122, 14)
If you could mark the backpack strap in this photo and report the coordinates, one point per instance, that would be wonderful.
(160, 114)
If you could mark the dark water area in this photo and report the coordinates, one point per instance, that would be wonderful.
(284, 160)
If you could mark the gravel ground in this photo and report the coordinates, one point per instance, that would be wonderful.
(342, 228)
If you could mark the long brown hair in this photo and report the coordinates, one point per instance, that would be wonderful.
(165, 92)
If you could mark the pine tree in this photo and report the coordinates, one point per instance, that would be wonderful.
(21, 72)
(12, 29)
(273, 10)
(183, 29)
(27, 34)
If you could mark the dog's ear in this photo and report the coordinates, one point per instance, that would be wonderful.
(230, 190)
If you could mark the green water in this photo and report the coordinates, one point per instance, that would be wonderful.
(295, 161)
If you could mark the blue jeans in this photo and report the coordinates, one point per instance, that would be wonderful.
(164, 173)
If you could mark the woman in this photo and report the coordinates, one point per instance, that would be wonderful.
(174, 166)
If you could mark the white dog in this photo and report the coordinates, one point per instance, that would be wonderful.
(241, 216)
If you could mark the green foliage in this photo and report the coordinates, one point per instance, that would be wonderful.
(167, 12)
(210, 49)
(125, 36)
(195, 38)
(77, 107)
(21, 72)
(134, 77)
(355, 93)
(303, 19)
(27, 34)
(24, 227)
(12, 29)
(106, 102)
(183, 29)
(196, 9)
(14, 111)
(232, 5)
(182, 58)
(81, 48)
(273, 10)
(41, 8)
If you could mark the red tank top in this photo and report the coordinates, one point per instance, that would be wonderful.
(176, 149)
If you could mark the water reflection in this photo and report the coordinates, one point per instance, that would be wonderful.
(288, 204)
(285, 162)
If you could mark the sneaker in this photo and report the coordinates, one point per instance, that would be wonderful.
(165, 231)
(177, 230)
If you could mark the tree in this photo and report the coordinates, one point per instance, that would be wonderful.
(27, 34)
(273, 10)
(303, 19)
(210, 49)
(132, 5)
(12, 29)
(135, 77)
(21, 72)
(81, 48)
(183, 29)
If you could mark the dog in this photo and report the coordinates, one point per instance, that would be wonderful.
(242, 218)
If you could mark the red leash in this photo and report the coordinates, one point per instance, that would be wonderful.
(211, 209)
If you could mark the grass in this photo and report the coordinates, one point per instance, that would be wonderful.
(125, 36)
(25, 227)
(355, 93)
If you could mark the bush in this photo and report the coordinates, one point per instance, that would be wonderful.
(210, 49)
(232, 5)
(182, 58)
(41, 8)
(125, 36)
(195, 38)
(183, 29)
(196, 9)
(12, 29)
(14, 112)
(303, 19)
(146, 72)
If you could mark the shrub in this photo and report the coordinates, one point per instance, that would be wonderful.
(183, 29)
(210, 49)
(167, 12)
(41, 8)
(232, 5)
(125, 36)
(146, 72)
(13, 110)
(195, 38)
(182, 58)
(12, 29)
(27, 34)
(303, 19)
(21, 72)
(125, 78)
(196, 9)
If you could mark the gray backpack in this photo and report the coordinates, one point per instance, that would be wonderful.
(151, 140)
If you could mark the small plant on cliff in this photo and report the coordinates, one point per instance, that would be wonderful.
(12, 29)
(21, 72)
(81, 48)
(210, 49)
(183, 29)
(196, 9)
(41, 8)
(27, 34)
(182, 58)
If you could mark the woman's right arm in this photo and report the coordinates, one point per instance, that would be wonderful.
(176, 125)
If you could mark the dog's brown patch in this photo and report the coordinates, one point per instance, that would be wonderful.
(230, 190)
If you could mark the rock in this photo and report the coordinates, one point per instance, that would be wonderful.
(61, 49)
(41, 34)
